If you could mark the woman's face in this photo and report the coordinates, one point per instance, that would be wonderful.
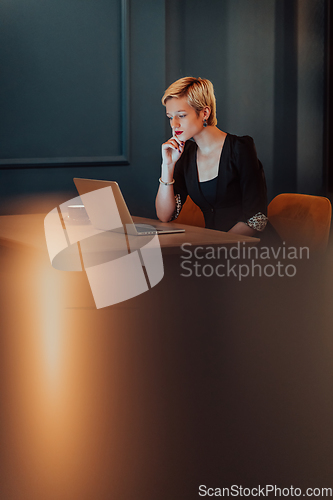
(184, 121)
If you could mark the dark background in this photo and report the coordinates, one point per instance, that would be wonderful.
(81, 84)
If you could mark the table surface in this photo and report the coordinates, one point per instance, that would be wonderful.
(28, 230)
(198, 381)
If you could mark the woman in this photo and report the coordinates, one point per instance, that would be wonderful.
(219, 171)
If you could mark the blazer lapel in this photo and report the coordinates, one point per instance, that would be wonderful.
(222, 174)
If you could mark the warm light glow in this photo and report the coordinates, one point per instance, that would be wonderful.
(68, 430)
(51, 334)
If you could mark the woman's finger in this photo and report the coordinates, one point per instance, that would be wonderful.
(168, 145)
(181, 143)
(176, 142)
(172, 144)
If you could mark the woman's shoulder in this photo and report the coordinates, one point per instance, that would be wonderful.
(241, 140)
(242, 145)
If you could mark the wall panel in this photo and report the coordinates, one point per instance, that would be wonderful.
(63, 96)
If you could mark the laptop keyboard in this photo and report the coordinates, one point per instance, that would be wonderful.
(142, 229)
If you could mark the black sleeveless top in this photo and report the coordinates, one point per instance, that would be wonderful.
(208, 189)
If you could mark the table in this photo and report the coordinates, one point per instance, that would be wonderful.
(196, 236)
(27, 229)
(199, 381)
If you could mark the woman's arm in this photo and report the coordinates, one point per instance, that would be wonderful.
(244, 229)
(165, 199)
(253, 186)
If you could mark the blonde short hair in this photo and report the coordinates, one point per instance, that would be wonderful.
(199, 93)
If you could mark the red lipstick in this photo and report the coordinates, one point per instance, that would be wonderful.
(178, 132)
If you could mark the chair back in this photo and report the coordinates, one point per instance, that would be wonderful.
(190, 214)
(301, 219)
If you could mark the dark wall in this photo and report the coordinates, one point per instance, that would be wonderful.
(146, 81)
(81, 87)
(266, 60)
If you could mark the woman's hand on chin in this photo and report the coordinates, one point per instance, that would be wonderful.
(172, 151)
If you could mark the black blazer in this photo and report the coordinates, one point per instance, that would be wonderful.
(241, 187)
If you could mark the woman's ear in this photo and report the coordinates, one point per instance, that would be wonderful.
(206, 112)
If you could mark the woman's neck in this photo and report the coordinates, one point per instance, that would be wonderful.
(209, 139)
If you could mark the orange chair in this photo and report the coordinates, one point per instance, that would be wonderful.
(301, 219)
(190, 214)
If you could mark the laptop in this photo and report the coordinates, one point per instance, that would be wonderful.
(85, 186)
